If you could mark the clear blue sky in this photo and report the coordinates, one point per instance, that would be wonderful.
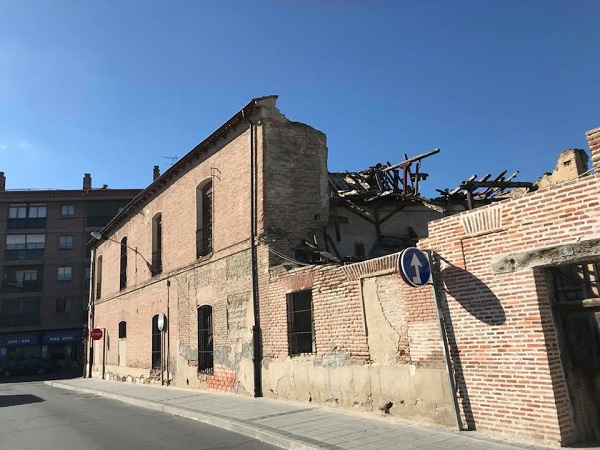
(108, 87)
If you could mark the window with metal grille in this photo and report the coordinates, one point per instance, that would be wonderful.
(204, 218)
(122, 330)
(123, 271)
(156, 353)
(99, 277)
(576, 282)
(157, 244)
(300, 323)
(205, 340)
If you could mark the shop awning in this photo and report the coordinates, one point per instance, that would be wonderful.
(62, 337)
(21, 340)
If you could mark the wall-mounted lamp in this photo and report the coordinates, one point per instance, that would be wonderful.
(99, 237)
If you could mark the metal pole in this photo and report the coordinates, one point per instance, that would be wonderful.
(103, 353)
(162, 358)
(91, 312)
(442, 328)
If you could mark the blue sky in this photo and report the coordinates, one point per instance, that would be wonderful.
(109, 87)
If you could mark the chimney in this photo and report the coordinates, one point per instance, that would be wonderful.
(2, 182)
(156, 173)
(593, 138)
(87, 182)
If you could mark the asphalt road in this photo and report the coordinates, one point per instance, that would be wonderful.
(37, 416)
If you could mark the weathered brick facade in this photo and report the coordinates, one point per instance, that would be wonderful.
(372, 342)
(501, 314)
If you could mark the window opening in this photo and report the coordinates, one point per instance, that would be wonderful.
(157, 244)
(156, 357)
(300, 323)
(122, 330)
(204, 219)
(64, 273)
(99, 277)
(205, 340)
(67, 211)
(65, 242)
(63, 305)
(123, 270)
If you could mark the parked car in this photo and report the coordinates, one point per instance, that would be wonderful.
(29, 366)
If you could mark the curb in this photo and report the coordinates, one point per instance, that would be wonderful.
(267, 435)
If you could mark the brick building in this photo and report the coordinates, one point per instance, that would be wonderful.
(230, 245)
(44, 267)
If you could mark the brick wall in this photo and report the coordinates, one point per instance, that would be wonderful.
(376, 338)
(501, 329)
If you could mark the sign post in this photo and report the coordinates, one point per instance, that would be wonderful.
(415, 267)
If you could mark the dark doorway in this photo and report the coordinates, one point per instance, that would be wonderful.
(577, 308)
(156, 354)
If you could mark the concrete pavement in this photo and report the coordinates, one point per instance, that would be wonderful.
(287, 424)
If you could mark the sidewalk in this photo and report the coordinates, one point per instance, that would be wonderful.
(286, 424)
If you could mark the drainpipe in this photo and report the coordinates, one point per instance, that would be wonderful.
(91, 312)
(256, 341)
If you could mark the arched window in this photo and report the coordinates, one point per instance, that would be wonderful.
(157, 244)
(122, 330)
(156, 354)
(205, 339)
(123, 278)
(204, 219)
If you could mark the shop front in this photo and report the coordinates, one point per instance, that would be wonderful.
(19, 347)
(64, 347)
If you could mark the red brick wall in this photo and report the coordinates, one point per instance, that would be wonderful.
(505, 345)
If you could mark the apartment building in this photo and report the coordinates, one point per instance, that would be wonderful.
(44, 267)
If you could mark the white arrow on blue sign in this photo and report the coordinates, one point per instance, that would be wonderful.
(413, 265)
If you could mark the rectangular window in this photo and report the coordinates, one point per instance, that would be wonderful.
(300, 323)
(22, 247)
(65, 242)
(20, 312)
(98, 277)
(576, 282)
(205, 340)
(67, 211)
(37, 211)
(64, 273)
(17, 211)
(63, 306)
(123, 268)
(87, 273)
(23, 215)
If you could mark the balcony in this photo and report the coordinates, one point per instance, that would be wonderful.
(19, 320)
(203, 241)
(20, 286)
(34, 254)
(156, 262)
(20, 224)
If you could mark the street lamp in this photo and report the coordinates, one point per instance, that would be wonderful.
(99, 237)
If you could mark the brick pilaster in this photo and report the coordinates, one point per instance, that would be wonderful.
(593, 138)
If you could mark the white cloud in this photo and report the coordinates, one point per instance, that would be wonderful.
(3, 147)
(25, 144)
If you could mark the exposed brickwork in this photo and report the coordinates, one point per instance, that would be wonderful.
(504, 344)
(593, 138)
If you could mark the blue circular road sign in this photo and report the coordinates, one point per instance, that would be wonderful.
(413, 265)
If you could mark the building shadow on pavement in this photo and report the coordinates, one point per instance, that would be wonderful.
(14, 400)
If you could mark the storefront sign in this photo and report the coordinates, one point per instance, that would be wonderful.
(62, 337)
(21, 341)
